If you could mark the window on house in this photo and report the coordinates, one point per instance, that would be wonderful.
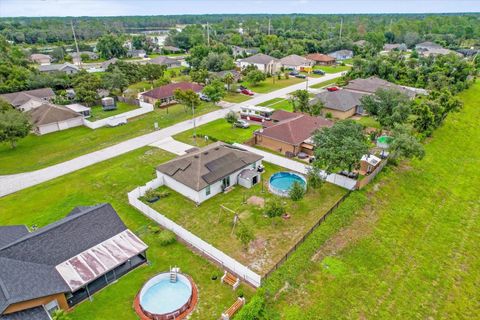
(51, 307)
(254, 165)
(207, 191)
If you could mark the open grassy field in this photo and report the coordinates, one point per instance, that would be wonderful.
(271, 84)
(273, 236)
(35, 152)
(324, 83)
(110, 181)
(219, 130)
(98, 113)
(236, 97)
(407, 247)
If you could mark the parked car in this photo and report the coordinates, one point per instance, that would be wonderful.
(246, 92)
(351, 175)
(301, 76)
(294, 73)
(317, 71)
(240, 123)
(242, 88)
(204, 97)
(331, 89)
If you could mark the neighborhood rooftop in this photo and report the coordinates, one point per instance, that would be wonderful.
(169, 89)
(372, 84)
(259, 58)
(295, 60)
(18, 98)
(201, 168)
(341, 100)
(48, 113)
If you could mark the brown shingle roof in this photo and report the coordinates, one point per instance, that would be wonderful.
(319, 57)
(18, 98)
(281, 115)
(50, 113)
(169, 89)
(203, 167)
(296, 130)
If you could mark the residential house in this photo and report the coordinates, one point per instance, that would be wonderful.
(262, 62)
(296, 62)
(428, 45)
(134, 53)
(172, 49)
(86, 112)
(166, 61)
(388, 47)
(77, 57)
(66, 67)
(290, 133)
(428, 48)
(341, 104)
(165, 93)
(372, 84)
(107, 63)
(40, 58)
(242, 52)
(321, 59)
(30, 99)
(64, 263)
(360, 43)
(50, 118)
(201, 174)
(341, 54)
(237, 76)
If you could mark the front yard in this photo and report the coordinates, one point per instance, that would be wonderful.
(272, 84)
(324, 84)
(332, 69)
(236, 97)
(278, 104)
(273, 237)
(110, 181)
(35, 152)
(98, 112)
(219, 130)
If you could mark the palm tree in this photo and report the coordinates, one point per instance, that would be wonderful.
(228, 79)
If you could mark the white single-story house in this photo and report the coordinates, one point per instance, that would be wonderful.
(30, 99)
(296, 62)
(341, 54)
(66, 67)
(50, 118)
(40, 58)
(201, 174)
(79, 108)
(262, 62)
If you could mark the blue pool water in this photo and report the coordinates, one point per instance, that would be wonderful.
(160, 296)
(283, 181)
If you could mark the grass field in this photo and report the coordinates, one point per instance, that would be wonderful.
(273, 236)
(368, 121)
(220, 130)
(98, 113)
(324, 83)
(110, 181)
(406, 247)
(332, 69)
(278, 104)
(236, 97)
(269, 85)
(35, 152)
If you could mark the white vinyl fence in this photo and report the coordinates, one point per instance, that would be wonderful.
(205, 248)
(122, 117)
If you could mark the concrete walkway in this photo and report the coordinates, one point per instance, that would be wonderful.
(13, 183)
(293, 165)
(173, 146)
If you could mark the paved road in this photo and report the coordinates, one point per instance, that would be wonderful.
(13, 183)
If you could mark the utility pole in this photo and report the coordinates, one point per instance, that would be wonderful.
(208, 34)
(194, 125)
(341, 27)
(76, 44)
(269, 25)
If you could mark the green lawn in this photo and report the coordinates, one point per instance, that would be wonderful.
(278, 104)
(406, 247)
(270, 102)
(110, 181)
(324, 84)
(236, 97)
(98, 113)
(219, 130)
(269, 85)
(273, 236)
(332, 69)
(368, 121)
(35, 152)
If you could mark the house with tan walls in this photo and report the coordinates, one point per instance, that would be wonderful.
(340, 104)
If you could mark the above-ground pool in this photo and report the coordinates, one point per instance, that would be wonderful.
(384, 142)
(162, 299)
(281, 182)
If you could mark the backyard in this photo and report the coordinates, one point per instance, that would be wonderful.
(405, 247)
(110, 181)
(98, 113)
(273, 237)
(219, 130)
(35, 152)
(271, 84)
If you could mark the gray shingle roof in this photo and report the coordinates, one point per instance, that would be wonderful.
(18, 98)
(49, 113)
(259, 58)
(37, 313)
(8, 234)
(163, 60)
(341, 100)
(201, 168)
(372, 84)
(27, 265)
(296, 60)
(57, 67)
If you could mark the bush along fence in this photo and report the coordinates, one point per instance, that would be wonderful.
(202, 246)
(305, 236)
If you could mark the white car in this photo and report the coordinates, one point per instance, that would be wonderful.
(240, 123)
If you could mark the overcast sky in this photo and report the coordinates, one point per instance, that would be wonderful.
(11, 8)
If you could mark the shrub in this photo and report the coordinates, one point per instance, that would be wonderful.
(329, 115)
(315, 180)
(150, 194)
(60, 315)
(252, 310)
(154, 229)
(297, 191)
(274, 209)
(167, 237)
(244, 234)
